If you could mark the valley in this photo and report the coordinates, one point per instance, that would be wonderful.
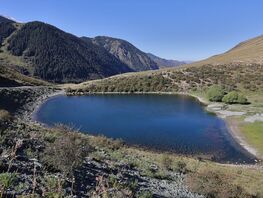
(40, 63)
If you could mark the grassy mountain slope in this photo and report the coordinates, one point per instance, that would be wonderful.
(247, 52)
(61, 57)
(126, 52)
(163, 63)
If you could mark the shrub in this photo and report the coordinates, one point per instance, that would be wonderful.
(167, 162)
(231, 97)
(234, 97)
(242, 99)
(67, 151)
(215, 93)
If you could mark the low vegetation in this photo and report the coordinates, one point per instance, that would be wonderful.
(231, 77)
(66, 152)
(216, 93)
(234, 98)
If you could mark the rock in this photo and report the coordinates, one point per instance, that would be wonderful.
(154, 168)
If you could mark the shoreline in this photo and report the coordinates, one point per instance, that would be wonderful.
(32, 108)
(232, 127)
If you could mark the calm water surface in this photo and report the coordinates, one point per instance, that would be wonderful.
(164, 122)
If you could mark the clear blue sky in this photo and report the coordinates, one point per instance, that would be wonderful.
(178, 29)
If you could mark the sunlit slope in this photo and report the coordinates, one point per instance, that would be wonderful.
(250, 51)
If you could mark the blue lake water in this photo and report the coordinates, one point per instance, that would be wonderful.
(173, 123)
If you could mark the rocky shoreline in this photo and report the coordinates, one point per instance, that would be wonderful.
(29, 114)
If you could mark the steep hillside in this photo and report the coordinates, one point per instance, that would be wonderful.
(6, 29)
(163, 63)
(247, 52)
(5, 20)
(126, 52)
(61, 57)
(44, 51)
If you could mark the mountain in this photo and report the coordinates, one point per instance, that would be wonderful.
(125, 52)
(247, 52)
(162, 63)
(5, 20)
(6, 28)
(57, 56)
(44, 51)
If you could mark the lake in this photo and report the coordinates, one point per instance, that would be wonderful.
(172, 123)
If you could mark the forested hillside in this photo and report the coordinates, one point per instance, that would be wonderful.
(5, 20)
(6, 28)
(61, 57)
(41, 50)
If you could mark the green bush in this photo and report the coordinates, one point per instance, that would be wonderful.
(231, 97)
(215, 93)
(242, 99)
(234, 97)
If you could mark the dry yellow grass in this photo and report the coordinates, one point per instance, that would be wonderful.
(250, 51)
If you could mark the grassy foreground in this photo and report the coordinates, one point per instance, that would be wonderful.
(61, 143)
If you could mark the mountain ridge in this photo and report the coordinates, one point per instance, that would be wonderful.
(61, 57)
(126, 52)
(41, 50)
(163, 63)
(4, 19)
